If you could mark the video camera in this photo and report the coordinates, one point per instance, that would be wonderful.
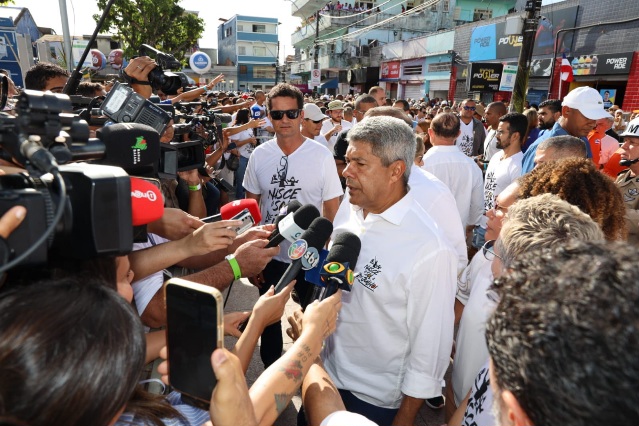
(166, 81)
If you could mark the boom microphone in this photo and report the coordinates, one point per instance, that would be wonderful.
(293, 225)
(229, 210)
(304, 252)
(337, 272)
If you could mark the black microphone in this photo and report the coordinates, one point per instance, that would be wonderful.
(304, 252)
(628, 163)
(132, 146)
(293, 225)
(291, 207)
(337, 272)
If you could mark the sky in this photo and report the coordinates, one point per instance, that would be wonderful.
(46, 13)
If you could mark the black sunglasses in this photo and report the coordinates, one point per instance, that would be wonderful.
(314, 121)
(291, 114)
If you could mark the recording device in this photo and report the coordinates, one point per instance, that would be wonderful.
(337, 272)
(194, 330)
(293, 225)
(166, 81)
(304, 252)
(124, 105)
(627, 162)
(247, 221)
(180, 157)
(228, 210)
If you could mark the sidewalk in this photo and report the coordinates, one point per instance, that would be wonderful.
(243, 297)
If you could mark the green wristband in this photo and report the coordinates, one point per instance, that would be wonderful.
(195, 187)
(234, 266)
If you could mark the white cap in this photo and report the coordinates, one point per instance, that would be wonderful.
(588, 101)
(313, 112)
(632, 129)
(342, 418)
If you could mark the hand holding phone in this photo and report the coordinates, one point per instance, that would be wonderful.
(195, 328)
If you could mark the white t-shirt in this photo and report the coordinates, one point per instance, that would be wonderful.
(471, 350)
(246, 149)
(490, 144)
(394, 332)
(499, 174)
(462, 176)
(321, 139)
(308, 175)
(465, 140)
(436, 199)
(145, 288)
(327, 125)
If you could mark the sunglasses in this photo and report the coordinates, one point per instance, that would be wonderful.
(467, 108)
(291, 114)
(307, 119)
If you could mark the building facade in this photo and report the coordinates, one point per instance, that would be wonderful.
(250, 44)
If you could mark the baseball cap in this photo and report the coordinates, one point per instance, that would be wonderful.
(313, 112)
(335, 105)
(588, 101)
(632, 129)
(444, 102)
(341, 418)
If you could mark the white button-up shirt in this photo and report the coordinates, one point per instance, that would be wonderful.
(395, 330)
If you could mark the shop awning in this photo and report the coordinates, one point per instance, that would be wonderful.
(329, 84)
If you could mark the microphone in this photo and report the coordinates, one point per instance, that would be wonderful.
(337, 272)
(304, 252)
(292, 207)
(293, 225)
(147, 204)
(628, 163)
(134, 147)
(229, 210)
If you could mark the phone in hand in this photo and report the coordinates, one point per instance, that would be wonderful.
(247, 221)
(195, 328)
(231, 146)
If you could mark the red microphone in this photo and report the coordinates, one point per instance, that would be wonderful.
(147, 204)
(227, 211)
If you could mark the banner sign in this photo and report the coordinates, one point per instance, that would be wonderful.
(485, 77)
(390, 70)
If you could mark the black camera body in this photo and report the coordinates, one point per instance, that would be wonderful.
(124, 105)
(180, 157)
(166, 81)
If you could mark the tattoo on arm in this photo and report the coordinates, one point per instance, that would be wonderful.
(282, 400)
(293, 370)
(304, 353)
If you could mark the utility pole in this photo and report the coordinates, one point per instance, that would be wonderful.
(316, 52)
(277, 64)
(531, 22)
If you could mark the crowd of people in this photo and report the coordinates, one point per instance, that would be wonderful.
(493, 243)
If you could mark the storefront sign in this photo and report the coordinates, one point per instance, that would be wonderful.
(490, 41)
(485, 77)
(440, 67)
(617, 63)
(508, 75)
(390, 70)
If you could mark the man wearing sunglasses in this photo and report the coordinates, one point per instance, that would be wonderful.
(286, 168)
(312, 123)
(473, 133)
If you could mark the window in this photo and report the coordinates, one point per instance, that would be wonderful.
(259, 51)
(413, 70)
(267, 72)
(243, 69)
(446, 6)
(228, 32)
(480, 14)
(241, 50)
(258, 28)
(240, 28)
(114, 44)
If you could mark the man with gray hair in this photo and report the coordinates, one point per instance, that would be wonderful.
(558, 147)
(403, 294)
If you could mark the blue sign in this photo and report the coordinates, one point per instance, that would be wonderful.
(200, 62)
(483, 44)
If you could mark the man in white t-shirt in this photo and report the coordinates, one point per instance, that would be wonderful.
(392, 344)
(332, 127)
(493, 112)
(473, 133)
(312, 124)
(504, 167)
(286, 168)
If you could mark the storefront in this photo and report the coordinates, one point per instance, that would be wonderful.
(389, 78)
(412, 79)
(437, 76)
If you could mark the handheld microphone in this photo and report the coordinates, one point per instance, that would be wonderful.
(134, 147)
(628, 163)
(304, 252)
(293, 225)
(147, 204)
(227, 211)
(337, 272)
(292, 207)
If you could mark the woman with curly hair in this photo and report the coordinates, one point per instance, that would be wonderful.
(578, 181)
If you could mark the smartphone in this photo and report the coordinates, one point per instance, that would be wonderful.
(195, 328)
(231, 146)
(247, 221)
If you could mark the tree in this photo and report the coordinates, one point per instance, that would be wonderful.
(162, 24)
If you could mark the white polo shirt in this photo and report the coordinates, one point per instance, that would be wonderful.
(308, 175)
(436, 199)
(462, 176)
(395, 329)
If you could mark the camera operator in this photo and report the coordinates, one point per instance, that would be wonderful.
(45, 76)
